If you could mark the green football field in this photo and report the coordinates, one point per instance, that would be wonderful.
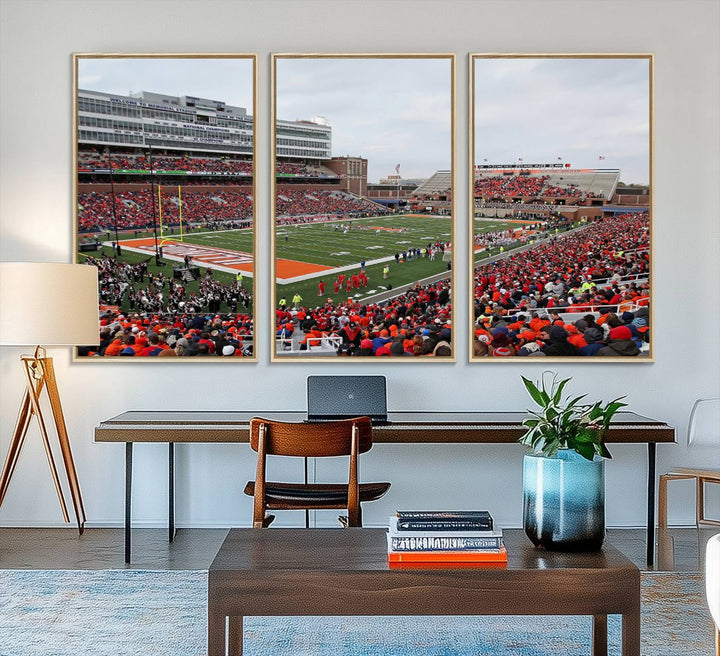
(331, 245)
(327, 244)
(346, 243)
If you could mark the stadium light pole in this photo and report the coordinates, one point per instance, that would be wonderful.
(152, 203)
(114, 209)
(397, 170)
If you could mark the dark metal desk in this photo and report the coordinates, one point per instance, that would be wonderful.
(207, 426)
(281, 572)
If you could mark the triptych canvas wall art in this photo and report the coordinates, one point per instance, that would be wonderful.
(363, 213)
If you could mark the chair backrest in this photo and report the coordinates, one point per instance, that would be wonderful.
(311, 439)
(704, 423)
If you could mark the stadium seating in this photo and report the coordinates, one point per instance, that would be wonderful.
(135, 209)
(600, 268)
(439, 183)
(304, 202)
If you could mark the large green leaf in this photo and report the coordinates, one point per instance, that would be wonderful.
(539, 397)
(558, 392)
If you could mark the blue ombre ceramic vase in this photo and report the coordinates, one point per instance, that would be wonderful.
(564, 501)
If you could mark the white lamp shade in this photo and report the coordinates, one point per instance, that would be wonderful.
(48, 304)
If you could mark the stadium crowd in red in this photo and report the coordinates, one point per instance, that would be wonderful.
(92, 160)
(134, 209)
(136, 162)
(184, 334)
(504, 186)
(302, 202)
(416, 323)
(292, 168)
(602, 269)
(162, 314)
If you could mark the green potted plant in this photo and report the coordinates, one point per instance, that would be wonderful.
(564, 468)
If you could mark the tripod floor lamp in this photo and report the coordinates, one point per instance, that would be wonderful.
(46, 304)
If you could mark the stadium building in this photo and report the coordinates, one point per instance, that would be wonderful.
(156, 120)
(201, 152)
(193, 126)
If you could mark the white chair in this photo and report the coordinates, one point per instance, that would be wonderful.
(703, 431)
(712, 584)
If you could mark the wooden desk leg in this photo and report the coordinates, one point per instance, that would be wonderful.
(235, 636)
(216, 634)
(599, 635)
(631, 633)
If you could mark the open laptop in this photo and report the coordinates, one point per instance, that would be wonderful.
(330, 398)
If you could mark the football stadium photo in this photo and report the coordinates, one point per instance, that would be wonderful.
(561, 206)
(363, 207)
(165, 209)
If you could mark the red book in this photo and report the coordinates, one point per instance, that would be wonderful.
(449, 557)
(447, 565)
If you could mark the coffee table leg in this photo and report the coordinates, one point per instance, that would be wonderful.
(599, 635)
(631, 633)
(216, 634)
(235, 638)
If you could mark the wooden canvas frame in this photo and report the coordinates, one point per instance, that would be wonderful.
(514, 81)
(209, 121)
(277, 61)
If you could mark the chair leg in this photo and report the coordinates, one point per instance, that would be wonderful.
(662, 502)
(699, 501)
(354, 517)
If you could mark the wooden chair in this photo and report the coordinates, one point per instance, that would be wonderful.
(703, 429)
(349, 437)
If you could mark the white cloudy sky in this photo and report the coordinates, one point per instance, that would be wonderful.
(227, 80)
(578, 109)
(391, 110)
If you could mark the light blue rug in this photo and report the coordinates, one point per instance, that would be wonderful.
(134, 612)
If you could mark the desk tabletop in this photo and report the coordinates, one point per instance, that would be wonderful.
(213, 426)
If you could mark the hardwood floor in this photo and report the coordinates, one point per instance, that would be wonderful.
(679, 549)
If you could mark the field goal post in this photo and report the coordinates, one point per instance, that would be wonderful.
(180, 206)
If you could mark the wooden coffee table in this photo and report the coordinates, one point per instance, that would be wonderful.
(275, 572)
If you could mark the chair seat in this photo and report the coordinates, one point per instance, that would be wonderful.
(288, 496)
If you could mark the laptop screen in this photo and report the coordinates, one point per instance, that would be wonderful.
(341, 397)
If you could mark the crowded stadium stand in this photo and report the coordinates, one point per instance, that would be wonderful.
(415, 323)
(318, 202)
(134, 208)
(546, 183)
(568, 292)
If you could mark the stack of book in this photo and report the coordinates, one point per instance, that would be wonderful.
(445, 538)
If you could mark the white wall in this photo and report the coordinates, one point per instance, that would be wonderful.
(37, 40)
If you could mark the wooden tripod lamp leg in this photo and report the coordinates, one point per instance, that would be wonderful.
(39, 374)
(64, 440)
(35, 383)
(30, 406)
(16, 443)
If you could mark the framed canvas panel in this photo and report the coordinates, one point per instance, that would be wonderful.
(363, 207)
(164, 161)
(561, 207)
